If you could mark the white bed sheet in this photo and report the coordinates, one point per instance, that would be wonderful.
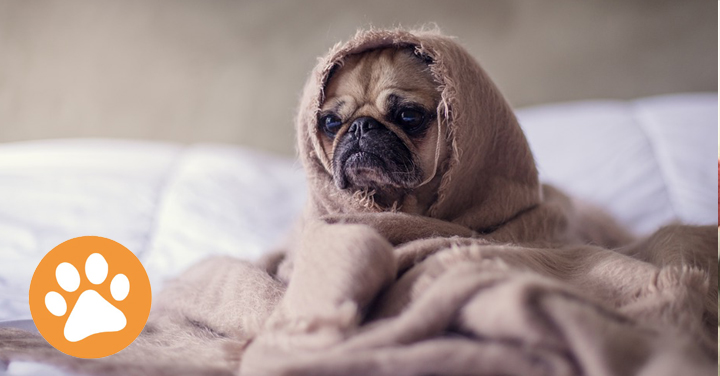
(649, 162)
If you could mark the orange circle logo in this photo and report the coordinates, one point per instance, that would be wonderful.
(90, 297)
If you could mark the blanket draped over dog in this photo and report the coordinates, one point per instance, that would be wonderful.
(500, 276)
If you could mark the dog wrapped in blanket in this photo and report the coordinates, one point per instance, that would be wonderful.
(428, 246)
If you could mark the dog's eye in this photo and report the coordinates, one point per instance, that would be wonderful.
(331, 124)
(410, 118)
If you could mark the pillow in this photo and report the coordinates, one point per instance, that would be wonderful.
(647, 161)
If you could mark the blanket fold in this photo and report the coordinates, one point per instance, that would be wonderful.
(533, 311)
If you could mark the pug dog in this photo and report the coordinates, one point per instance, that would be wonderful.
(379, 126)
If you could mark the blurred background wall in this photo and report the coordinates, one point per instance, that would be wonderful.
(232, 71)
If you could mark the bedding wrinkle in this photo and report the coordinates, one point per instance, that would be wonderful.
(642, 125)
(163, 187)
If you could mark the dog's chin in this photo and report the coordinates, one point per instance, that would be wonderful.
(367, 171)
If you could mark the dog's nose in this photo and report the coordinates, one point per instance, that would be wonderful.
(362, 125)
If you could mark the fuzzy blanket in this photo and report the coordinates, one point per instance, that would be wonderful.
(499, 276)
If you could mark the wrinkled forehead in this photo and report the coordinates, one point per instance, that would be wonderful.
(379, 73)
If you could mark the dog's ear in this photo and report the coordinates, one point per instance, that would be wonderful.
(332, 72)
(427, 59)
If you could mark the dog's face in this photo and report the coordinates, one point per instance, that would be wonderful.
(378, 123)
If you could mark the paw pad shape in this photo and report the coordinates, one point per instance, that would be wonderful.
(92, 313)
(90, 297)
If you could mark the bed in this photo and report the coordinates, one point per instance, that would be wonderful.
(647, 161)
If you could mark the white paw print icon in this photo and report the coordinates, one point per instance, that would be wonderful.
(92, 313)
